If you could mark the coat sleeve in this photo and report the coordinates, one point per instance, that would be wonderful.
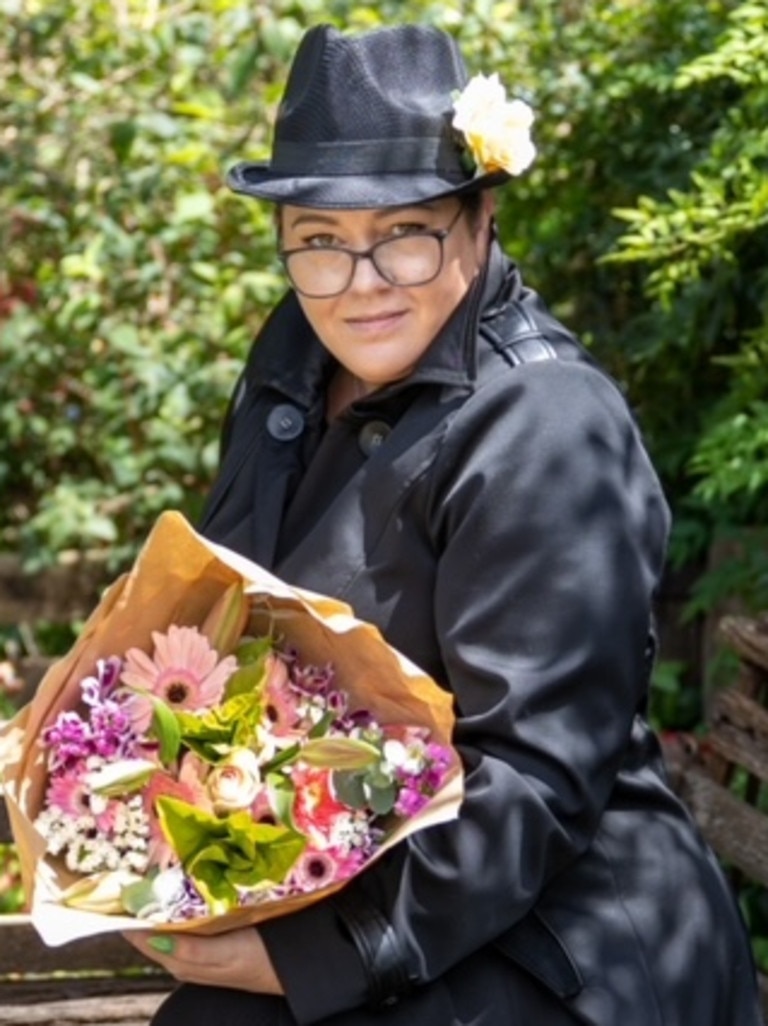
(550, 530)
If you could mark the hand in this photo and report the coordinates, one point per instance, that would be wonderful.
(237, 959)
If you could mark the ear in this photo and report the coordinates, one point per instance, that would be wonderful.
(489, 203)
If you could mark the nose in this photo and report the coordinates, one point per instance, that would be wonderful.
(366, 276)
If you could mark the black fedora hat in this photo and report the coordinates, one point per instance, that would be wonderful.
(366, 121)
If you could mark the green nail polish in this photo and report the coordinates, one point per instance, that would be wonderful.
(164, 945)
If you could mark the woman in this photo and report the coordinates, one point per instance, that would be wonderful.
(416, 435)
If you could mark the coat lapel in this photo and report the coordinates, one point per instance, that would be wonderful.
(246, 505)
(340, 543)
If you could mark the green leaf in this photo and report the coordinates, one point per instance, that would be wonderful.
(282, 795)
(381, 800)
(379, 776)
(222, 854)
(349, 789)
(121, 138)
(195, 206)
(282, 758)
(320, 729)
(206, 739)
(252, 654)
(138, 896)
(229, 724)
(167, 730)
(246, 680)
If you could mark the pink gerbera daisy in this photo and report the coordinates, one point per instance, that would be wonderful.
(281, 706)
(185, 672)
(67, 793)
(314, 869)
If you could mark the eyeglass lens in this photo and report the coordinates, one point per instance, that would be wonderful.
(406, 260)
(410, 260)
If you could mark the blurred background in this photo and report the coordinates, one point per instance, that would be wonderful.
(132, 281)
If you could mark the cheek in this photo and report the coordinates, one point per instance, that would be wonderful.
(452, 287)
(321, 314)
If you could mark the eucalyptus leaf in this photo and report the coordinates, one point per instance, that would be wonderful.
(379, 776)
(349, 789)
(381, 800)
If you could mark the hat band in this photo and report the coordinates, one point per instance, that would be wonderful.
(370, 157)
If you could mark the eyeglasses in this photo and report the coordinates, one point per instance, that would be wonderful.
(319, 272)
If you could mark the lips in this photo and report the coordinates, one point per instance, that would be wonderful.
(383, 320)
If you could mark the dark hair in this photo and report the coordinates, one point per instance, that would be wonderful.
(472, 203)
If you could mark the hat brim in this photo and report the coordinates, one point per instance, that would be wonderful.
(340, 192)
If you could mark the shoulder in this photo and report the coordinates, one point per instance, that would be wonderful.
(539, 400)
(519, 328)
(529, 365)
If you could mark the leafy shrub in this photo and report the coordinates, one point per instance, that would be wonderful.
(132, 280)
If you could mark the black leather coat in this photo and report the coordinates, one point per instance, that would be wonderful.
(504, 528)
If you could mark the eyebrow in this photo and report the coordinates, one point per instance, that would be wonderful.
(317, 217)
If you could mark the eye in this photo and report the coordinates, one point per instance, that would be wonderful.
(321, 240)
(396, 231)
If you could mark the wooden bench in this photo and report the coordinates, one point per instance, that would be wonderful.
(723, 775)
(102, 981)
(99, 980)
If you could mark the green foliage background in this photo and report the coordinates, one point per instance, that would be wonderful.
(132, 281)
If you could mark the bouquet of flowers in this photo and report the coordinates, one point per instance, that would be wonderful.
(217, 748)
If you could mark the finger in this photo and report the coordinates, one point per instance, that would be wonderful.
(157, 946)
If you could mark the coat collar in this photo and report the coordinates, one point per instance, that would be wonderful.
(290, 359)
(288, 366)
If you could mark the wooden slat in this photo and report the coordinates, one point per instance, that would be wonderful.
(31, 972)
(737, 832)
(58, 594)
(734, 707)
(121, 1010)
(30, 670)
(740, 748)
(22, 952)
(747, 637)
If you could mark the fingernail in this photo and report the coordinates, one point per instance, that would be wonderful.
(164, 945)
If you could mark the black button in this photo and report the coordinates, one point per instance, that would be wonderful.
(285, 422)
(372, 436)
